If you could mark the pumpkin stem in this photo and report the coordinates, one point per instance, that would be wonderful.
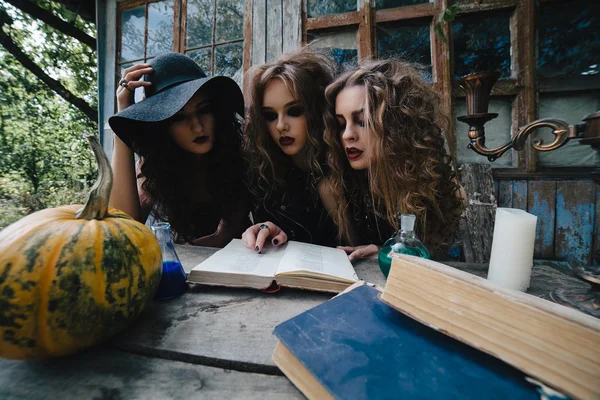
(96, 206)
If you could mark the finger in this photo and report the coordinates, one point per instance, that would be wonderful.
(279, 239)
(136, 67)
(132, 85)
(356, 254)
(347, 249)
(261, 237)
(249, 238)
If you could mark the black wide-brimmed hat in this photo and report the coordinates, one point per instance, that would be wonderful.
(175, 79)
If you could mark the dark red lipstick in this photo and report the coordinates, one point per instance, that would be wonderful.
(353, 153)
(286, 140)
(201, 139)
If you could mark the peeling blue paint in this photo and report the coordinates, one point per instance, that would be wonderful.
(574, 226)
(545, 211)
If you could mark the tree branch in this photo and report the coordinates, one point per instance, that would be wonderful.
(52, 20)
(53, 84)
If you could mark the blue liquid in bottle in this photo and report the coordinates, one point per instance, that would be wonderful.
(172, 282)
(404, 242)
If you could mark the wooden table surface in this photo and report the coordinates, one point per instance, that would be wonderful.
(211, 342)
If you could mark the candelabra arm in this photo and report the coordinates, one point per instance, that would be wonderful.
(560, 129)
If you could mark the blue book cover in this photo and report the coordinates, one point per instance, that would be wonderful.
(357, 347)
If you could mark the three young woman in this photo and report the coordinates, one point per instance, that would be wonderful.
(385, 153)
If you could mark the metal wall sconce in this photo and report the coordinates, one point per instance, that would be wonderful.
(477, 88)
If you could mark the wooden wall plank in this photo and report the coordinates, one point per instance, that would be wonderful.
(520, 194)
(504, 197)
(292, 25)
(596, 242)
(274, 29)
(574, 221)
(541, 202)
(248, 15)
(259, 32)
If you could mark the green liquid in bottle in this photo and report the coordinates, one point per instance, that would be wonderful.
(404, 242)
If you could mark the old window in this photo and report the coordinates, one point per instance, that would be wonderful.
(209, 31)
(504, 35)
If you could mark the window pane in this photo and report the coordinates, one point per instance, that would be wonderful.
(482, 44)
(497, 133)
(132, 34)
(160, 27)
(317, 8)
(230, 20)
(573, 47)
(571, 108)
(341, 44)
(411, 42)
(398, 3)
(199, 22)
(202, 57)
(228, 60)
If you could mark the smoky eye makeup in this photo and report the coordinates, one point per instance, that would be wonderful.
(295, 111)
(270, 115)
(204, 108)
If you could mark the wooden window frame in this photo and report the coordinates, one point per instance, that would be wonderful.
(523, 86)
(179, 31)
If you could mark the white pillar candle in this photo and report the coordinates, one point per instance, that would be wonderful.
(512, 248)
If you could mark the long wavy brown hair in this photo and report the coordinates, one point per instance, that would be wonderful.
(167, 173)
(411, 172)
(306, 74)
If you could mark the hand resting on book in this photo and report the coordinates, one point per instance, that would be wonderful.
(364, 251)
(255, 236)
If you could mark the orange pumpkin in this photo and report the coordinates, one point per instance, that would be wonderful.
(71, 277)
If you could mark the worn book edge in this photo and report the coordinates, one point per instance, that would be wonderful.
(296, 372)
(550, 342)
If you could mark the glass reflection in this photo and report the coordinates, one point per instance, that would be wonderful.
(318, 8)
(342, 46)
(132, 34)
(228, 59)
(199, 22)
(397, 3)
(160, 27)
(482, 44)
(410, 42)
(203, 58)
(569, 48)
(230, 20)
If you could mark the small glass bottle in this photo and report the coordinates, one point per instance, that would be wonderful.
(172, 282)
(403, 242)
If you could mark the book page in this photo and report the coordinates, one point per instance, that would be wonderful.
(316, 259)
(235, 258)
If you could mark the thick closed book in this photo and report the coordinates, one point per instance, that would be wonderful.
(293, 264)
(357, 347)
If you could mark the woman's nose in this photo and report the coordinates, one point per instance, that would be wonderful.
(281, 124)
(349, 134)
(196, 123)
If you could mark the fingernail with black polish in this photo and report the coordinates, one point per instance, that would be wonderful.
(256, 248)
(275, 242)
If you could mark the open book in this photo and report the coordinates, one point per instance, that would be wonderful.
(294, 264)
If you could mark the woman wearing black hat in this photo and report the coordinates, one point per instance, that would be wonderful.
(187, 135)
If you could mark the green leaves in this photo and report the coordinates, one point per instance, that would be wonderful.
(448, 15)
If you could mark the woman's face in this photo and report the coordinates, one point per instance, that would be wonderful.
(193, 127)
(285, 117)
(355, 138)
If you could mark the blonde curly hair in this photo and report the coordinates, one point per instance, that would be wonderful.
(411, 172)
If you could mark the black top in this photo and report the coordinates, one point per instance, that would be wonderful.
(369, 225)
(299, 211)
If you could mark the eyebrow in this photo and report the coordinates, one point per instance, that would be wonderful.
(354, 113)
(288, 105)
